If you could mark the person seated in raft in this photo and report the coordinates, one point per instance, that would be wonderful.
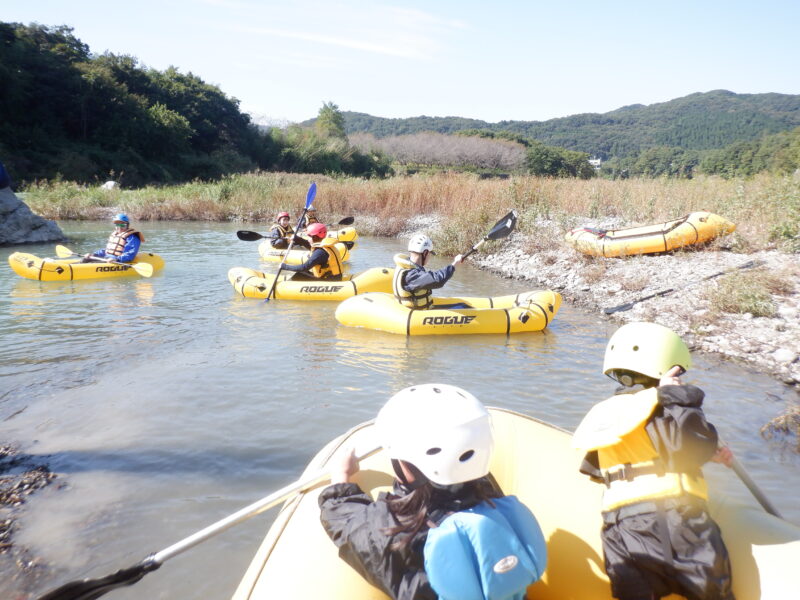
(412, 283)
(647, 448)
(123, 243)
(324, 261)
(281, 234)
(419, 542)
(311, 217)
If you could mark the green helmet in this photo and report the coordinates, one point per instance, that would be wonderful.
(644, 348)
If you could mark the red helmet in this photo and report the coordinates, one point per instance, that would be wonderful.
(283, 214)
(317, 230)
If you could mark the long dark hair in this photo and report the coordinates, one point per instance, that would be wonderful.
(415, 509)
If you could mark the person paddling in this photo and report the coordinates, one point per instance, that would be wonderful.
(123, 243)
(647, 448)
(324, 261)
(282, 232)
(413, 283)
(419, 542)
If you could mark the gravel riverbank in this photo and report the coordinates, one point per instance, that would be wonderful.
(770, 344)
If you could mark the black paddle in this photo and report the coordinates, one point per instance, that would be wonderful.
(630, 305)
(500, 230)
(89, 589)
(252, 236)
(312, 191)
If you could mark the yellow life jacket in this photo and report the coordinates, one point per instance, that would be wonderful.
(630, 464)
(283, 231)
(419, 299)
(116, 241)
(311, 217)
(334, 266)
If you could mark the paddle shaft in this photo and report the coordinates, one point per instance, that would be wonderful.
(283, 261)
(247, 512)
(312, 192)
(632, 303)
(748, 482)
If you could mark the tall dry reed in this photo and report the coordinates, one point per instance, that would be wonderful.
(469, 204)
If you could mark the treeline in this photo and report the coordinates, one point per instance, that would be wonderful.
(702, 121)
(68, 113)
(778, 153)
(477, 151)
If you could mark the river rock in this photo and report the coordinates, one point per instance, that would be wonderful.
(784, 356)
(18, 225)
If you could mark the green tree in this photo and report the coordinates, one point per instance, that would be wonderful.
(330, 122)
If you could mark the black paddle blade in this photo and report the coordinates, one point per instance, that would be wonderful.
(347, 221)
(248, 236)
(89, 589)
(503, 227)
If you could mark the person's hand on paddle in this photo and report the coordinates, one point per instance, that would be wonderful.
(723, 456)
(458, 259)
(344, 467)
(671, 377)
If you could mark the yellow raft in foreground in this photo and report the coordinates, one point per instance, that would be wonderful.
(534, 461)
(694, 228)
(68, 269)
(345, 238)
(529, 311)
(255, 284)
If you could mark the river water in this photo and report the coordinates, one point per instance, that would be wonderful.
(165, 404)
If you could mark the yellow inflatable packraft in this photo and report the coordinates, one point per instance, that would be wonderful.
(68, 269)
(694, 228)
(529, 311)
(255, 284)
(534, 461)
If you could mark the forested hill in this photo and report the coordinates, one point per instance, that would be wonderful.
(701, 121)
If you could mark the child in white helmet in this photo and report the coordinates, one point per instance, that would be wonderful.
(420, 542)
(647, 448)
(413, 283)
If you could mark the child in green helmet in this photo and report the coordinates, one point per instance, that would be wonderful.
(647, 447)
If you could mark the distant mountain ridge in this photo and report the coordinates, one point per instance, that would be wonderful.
(700, 121)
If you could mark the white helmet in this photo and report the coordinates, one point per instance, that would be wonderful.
(442, 430)
(419, 243)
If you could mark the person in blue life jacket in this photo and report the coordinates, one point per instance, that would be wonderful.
(324, 261)
(422, 540)
(413, 283)
(282, 233)
(647, 446)
(123, 243)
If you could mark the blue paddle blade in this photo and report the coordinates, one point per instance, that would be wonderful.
(312, 191)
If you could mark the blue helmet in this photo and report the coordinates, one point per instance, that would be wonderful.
(122, 217)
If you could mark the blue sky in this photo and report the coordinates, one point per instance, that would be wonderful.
(492, 60)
